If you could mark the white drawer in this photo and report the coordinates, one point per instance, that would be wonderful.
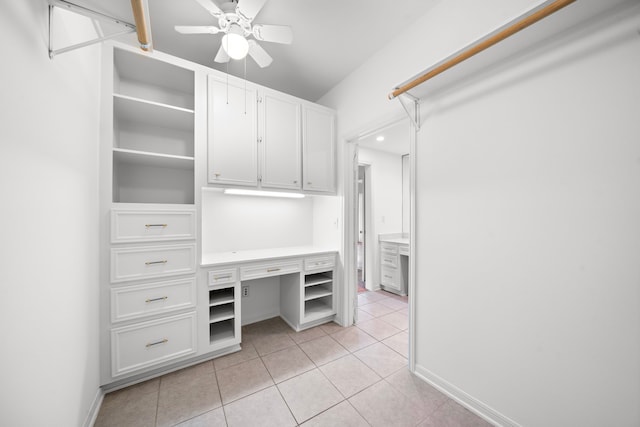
(135, 302)
(151, 343)
(220, 277)
(388, 260)
(403, 250)
(146, 225)
(320, 263)
(390, 278)
(256, 271)
(153, 261)
(389, 247)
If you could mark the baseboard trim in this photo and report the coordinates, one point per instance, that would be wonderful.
(471, 403)
(92, 415)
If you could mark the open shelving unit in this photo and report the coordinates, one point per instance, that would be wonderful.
(318, 296)
(153, 131)
(222, 314)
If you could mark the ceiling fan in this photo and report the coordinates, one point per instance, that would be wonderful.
(235, 22)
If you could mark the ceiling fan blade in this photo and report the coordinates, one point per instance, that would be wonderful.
(262, 58)
(211, 7)
(248, 9)
(196, 29)
(221, 56)
(273, 33)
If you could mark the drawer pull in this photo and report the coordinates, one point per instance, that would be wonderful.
(156, 299)
(151, 344)
(156, 262)
(388, 277)
(155, 225)
(271, 270)
(228, 276)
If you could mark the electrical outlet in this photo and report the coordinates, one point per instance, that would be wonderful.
(245, 291)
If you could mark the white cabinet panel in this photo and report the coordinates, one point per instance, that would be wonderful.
(280, 145)
(144, 225)
(318, 152)
(147, 344)
(232, 134)
(134, 302)
(222, 276)
(255, 271)
(149, 262)
(319, 263)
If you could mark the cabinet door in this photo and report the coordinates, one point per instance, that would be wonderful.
(280, 142)
(318, 153)
(232, 134)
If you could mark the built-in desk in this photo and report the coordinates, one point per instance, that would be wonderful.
(394, 262)
(307, 287)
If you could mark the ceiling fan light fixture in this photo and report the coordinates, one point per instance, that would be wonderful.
(234, 42)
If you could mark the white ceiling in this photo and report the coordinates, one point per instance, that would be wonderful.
(331, 38)
(396, 139)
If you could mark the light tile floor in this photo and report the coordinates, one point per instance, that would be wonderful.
(325, 376)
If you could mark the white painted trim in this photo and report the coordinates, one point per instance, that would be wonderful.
(411, 288)
(471, 403)
(92, 415)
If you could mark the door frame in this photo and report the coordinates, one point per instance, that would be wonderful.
(350, 154)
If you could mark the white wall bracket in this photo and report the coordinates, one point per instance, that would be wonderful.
(127, 27)
(414, 116)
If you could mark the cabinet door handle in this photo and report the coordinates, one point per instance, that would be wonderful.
(308, 183)
(228, 276)
(164, 261)
(271, 270)
(156, 299)
(162, 341)
(155, 225)
(295, 182)
(388, 277)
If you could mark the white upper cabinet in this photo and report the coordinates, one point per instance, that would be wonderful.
(318, 149)
(232, 133)
(280, 147)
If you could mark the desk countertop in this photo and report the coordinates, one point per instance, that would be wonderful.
(237, 257)
(394, 239)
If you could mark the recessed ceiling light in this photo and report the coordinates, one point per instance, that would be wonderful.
(380, 138)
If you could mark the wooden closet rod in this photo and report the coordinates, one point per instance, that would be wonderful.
(139, 15)
(483, 44)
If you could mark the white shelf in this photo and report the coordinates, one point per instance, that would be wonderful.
(317, 309)
(145, 158)
(316, 280)
(221, 313)
(221, 331)
(220, 299)
(317, 292)
(128, 108)
(149, 78)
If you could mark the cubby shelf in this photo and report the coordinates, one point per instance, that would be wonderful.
(222, 331)
(220, 313)
(152, 113)
(317, 279)
(316, 292)
(145, 158)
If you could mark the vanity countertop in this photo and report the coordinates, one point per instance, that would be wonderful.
(242, 256)
(399, 238)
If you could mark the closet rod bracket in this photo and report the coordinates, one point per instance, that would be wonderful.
(63, 4)
(415, 116)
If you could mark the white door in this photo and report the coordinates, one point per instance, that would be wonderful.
(232, 134)
(280, 147)
(318, 152)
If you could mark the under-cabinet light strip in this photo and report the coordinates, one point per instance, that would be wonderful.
(241, 192)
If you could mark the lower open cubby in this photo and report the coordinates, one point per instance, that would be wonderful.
(222, 315)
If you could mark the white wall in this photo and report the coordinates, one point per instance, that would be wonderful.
(233, 222)
(528, 240)
(385, 186)
(49, 245)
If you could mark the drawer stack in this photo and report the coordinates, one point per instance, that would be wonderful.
(152, 288)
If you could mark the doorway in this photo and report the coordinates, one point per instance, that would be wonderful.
(380, 215)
